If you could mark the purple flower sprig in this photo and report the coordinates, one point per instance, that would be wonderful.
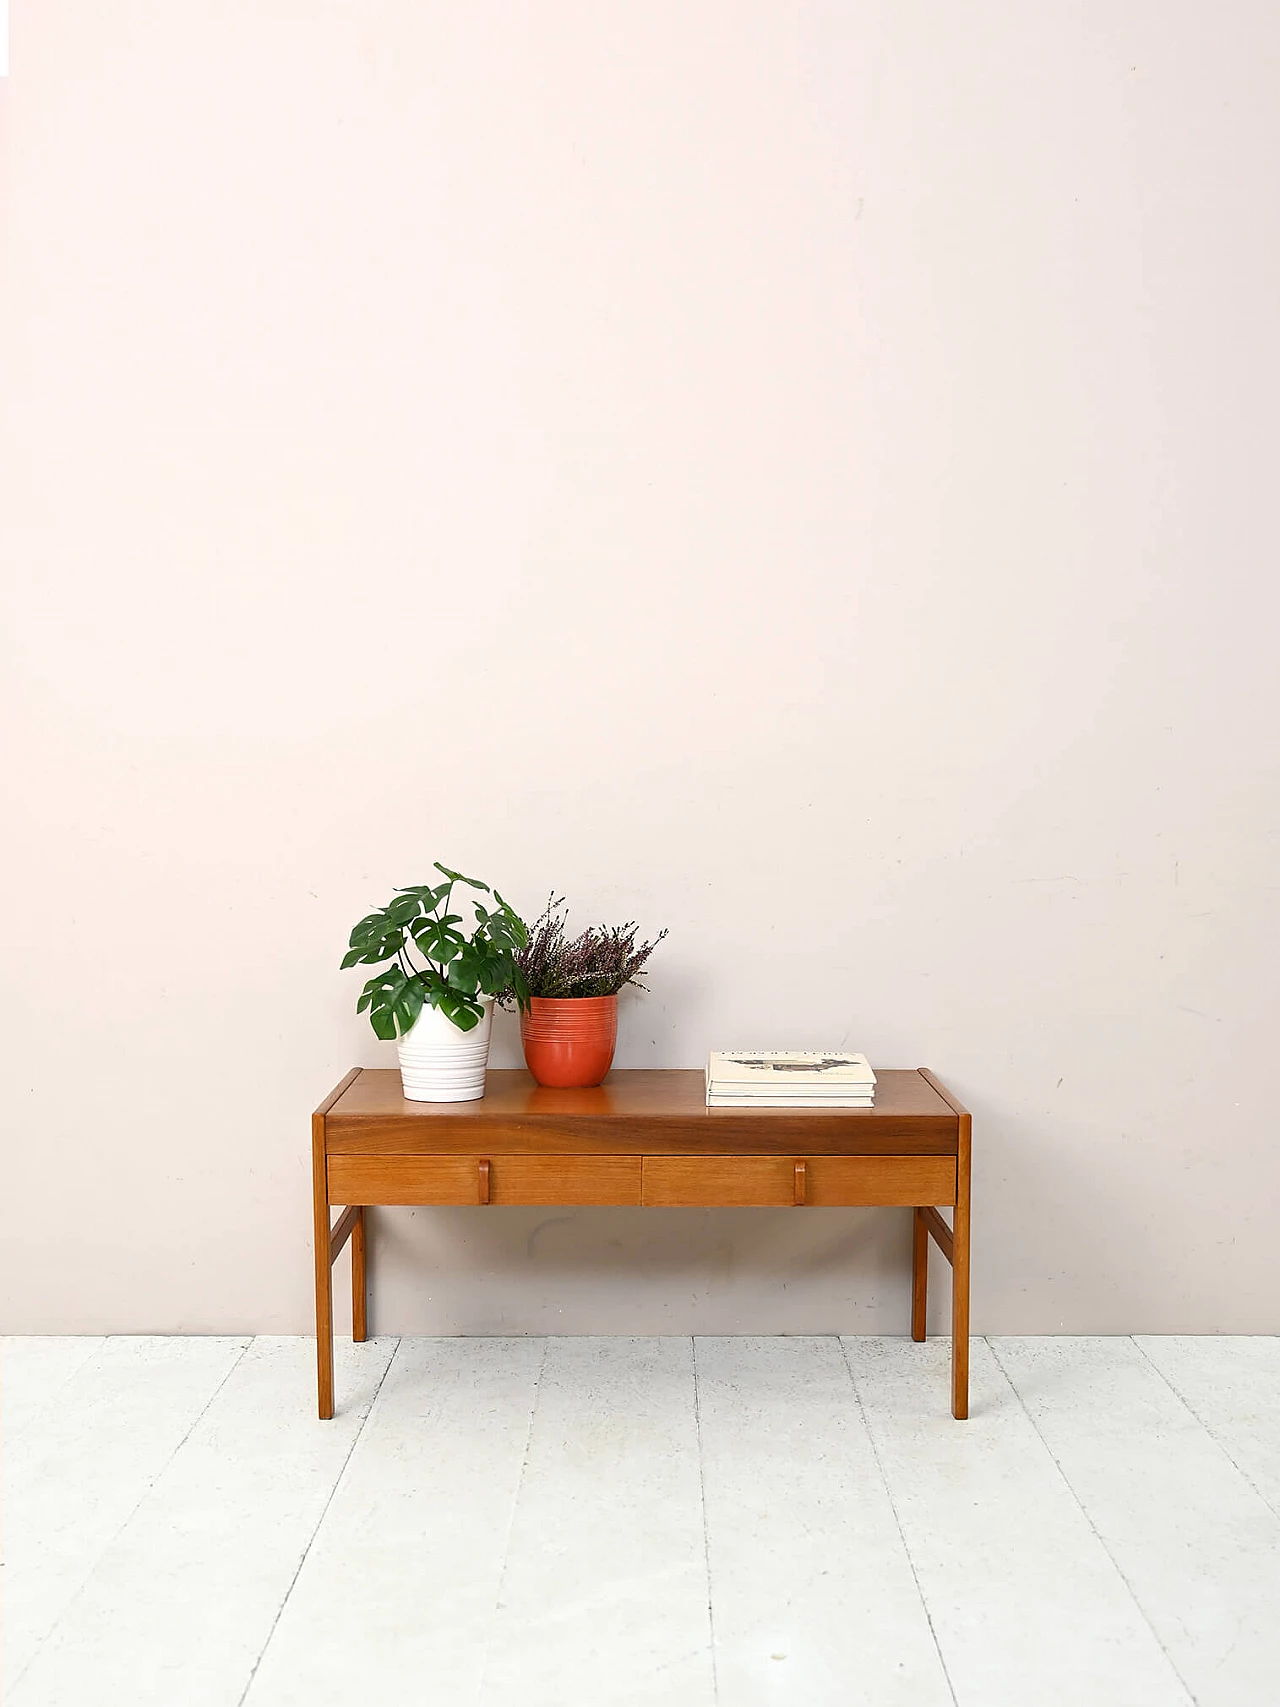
(596, 962)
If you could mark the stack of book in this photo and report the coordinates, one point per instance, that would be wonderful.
(789, 1078)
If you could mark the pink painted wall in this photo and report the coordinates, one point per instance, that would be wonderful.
(800, 474)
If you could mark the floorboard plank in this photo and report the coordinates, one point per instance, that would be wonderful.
(396, 1599)
(813, 1596)
(1025, 1602)
(1232, 1383)
(34, 1368)
(70, 1484)
(180, 1605)
(1198, 1546)
(604, 1596)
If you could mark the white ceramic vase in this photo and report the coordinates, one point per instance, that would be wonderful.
(440, 1063)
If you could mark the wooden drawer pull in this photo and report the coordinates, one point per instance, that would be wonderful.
(484, 1180)
(801, 1172)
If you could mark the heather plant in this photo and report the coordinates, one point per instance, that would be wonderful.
(596, 962)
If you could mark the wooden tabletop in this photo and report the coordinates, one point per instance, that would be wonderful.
(636, 1111)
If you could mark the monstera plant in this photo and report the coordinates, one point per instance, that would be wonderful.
(429, 960)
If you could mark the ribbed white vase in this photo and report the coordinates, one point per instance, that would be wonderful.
(440, 1063)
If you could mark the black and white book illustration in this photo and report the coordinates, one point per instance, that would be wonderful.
(790, 1068)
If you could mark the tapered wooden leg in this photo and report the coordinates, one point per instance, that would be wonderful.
(960, 1278)
(359, 1291)
(324, 1271)
(919, 1272)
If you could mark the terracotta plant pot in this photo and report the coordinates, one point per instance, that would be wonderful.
(569, 1042)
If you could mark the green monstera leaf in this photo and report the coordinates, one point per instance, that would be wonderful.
(394, 1002)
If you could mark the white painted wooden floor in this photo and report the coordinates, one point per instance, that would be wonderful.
(641, 1521)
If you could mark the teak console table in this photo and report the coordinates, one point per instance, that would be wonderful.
(642, 1137)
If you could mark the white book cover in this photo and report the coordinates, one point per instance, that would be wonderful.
(788, 1067)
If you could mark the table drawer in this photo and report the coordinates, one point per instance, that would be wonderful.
(404, 1179)
(564, 1179)
(461, 1179)
(815, 1181)
(906, 1180)
(719, 1181)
